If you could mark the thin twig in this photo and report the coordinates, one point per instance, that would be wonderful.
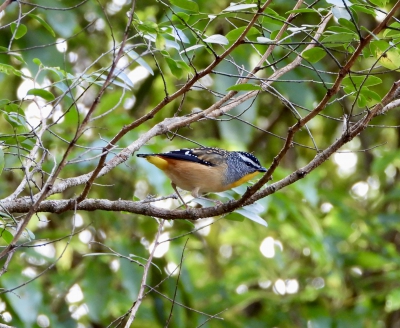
(176, 285)
(139, 299)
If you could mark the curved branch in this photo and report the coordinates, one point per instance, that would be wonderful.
(22, 205)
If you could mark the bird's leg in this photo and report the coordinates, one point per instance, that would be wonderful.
(195, 194)
(179, 195)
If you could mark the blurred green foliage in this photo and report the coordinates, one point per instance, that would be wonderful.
(330, 254)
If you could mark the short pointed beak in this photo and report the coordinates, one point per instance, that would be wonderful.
(263, 169)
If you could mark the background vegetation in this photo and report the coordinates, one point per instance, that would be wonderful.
(92, 236)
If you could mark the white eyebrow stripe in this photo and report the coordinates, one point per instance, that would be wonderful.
(248, 160)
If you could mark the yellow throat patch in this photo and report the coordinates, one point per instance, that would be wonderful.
(243, 179)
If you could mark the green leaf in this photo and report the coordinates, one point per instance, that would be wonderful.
(44, 23)
(354, 15)
(252, 216)
(21, 30)
(366, 52)
(148, 26)
(371, 96)
(243, 87)
(182, 64)
(235, 217)
(217, 38)
(364, 93)
(120, 74)
(64, 88)
(346, 23)
(392, 30)
(235, 7)
(179, 36)
(188, 223)
(9, 108)
(136, 57)
(272, 12)
(265, 40)
(179, 17)
(31, 235)
(1, 160)
(41, 93)
(14, 54)
(186, 4)
(37, 61)
(361, 101)
(171, 44)
(388, 56)
(17, 56)
(8, 69)
(379, 3)
(28, 143)
(4, 102)
(379, 46)
(226, 194)
(234, 34)
(177, 67)
(273, 17)
(338, 40)
(5, 215)
(14, 118)
(350, 49)
(341, 29)
(160, 42)
(314, 55)
(357, 81)
(363, 9)
(196, 46)
(349, 90)
(204, 202)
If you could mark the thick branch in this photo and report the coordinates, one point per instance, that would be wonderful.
(23, 205)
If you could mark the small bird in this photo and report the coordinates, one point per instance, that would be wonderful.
(202, 170)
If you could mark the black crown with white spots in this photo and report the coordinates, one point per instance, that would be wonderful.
(241, 164)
